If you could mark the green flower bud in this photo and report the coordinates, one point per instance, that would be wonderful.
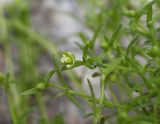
(67, 58)
(104, 45)
(131, 13)
(41, 86)
(154, 51)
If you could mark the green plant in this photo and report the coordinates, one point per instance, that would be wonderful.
(16, 34)
(120, 71)
(119, 66)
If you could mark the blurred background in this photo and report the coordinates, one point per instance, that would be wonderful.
(31, 32)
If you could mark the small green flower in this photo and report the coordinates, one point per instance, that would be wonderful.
(67, 58)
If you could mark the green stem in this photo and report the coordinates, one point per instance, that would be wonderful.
(42, 109)
(100, 106)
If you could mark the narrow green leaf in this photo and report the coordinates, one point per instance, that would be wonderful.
(38, 88)
(60, 94)
(85, 53)
(93, 40)
(50, 74)
(135, 64)
(30, 91)
(92, 95)
(79, 45)
(112, 66)
(89, 65)
(74, 101)
(131, 44)
(115, 35)
(83, 38)
(88, 115)
(149, 13)
(149, 17)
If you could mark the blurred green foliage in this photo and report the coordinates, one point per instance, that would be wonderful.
(111, 21)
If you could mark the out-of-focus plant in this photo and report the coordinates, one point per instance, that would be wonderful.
(22, 48)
